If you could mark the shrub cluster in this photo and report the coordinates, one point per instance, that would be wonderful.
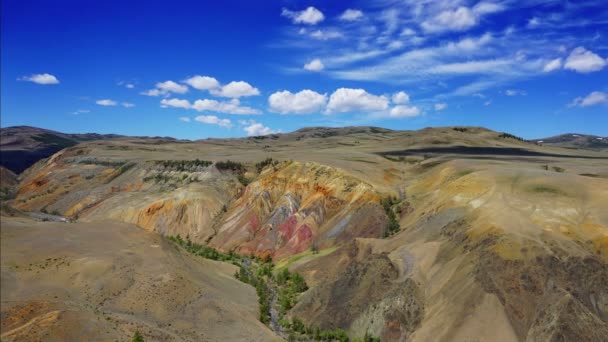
(266, 162)
(511, 136)
(205, 251)
(230, 165)
(183, 165)
(392, 226)
(290, 286)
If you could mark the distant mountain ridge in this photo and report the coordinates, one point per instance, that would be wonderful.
(22, 146)
(575, 141)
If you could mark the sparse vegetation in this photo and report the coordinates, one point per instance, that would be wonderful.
(137, 337)
(183, 165)
(460, 129)
(545, 189)
(392, 226)
(205, 251)
(290, 285)
(108, 163)
(243, 180)
(230, 165)
(511, 136)
(264, 163)
(558, 169)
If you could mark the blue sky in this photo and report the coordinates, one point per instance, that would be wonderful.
(197, 69)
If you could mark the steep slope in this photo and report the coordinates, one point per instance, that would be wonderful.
(104, 281)
(499, 238)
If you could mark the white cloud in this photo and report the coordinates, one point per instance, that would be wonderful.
(351, 15)
(236, 89)
(552, 65)
(484, 7)
(164, 88)
(153, 92)
(170, 86)
(594, 98)
(230, 107)
(473, 67)
(185, 119)
(406, 32)
(314, 65)
(302, 102)
(130, 85)
(459, 19)
(81, 111)
(349, 100)
(213, 120)
(310, 16)
(487, 103)
(325, 35)
(202, 82)
(403, 111)
(400, 97)
(533, 23)
(44, 79)
(514, 92)
(440, 106)
(584, 61)
(127, 104)
(176, 103)
(106, 102)
(254, 128)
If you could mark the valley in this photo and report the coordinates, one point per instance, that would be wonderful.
(440, 234)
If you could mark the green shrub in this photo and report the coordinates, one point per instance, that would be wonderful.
(137, 337)
(230, 165)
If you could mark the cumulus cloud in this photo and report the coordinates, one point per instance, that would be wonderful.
(176, 103)
(349, 100)
(45, 79)
(440, 106)
(236, 89)
(584, 61)
(594, 98)
(552, 65)
(351, 15)
(185, 119)
(403, 111)
(314, 65)
(202, 82)
(127, 104)
(302, 102)
(106, 102)
(400, 98)
(130, 85)
(229, 107)
(170, 86)
(309, 16)
(254, 128)
(164, 88)
(213, 120)
(533, 23)
(153, 92)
